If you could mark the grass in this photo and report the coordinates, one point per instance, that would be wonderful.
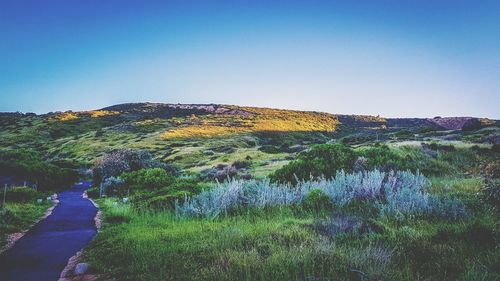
(252, 247)
(17, 217)
(261, 120)
(287, 244)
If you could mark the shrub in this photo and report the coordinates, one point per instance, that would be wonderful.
(401, 193)
(115, 163)
(22, 195)
(167, 196)
(241, 164)
(316, 200)
(383, 158)
(30, 166)
(112, 186)
(447, 208)
(321, 161)
(166, 201)
(93, 192)
(220, 173)
(154, 178)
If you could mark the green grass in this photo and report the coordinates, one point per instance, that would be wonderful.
(17, 217)
(283, 244)
(272, 244)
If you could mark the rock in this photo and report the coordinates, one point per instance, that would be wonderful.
(81, 268)
(39, 201)
(125, 200)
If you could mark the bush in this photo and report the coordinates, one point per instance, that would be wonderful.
(166, 201)
(167, 196)
(383, 158)
(22, 195)
(220, 173)
(317, 200)
(401, 193)
(448, 208)
(241, 164)
(321, 161)
(154, 178)
(126, 160)
(28, 165)
(93, 192)
(112, 186)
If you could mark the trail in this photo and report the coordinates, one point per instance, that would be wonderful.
(43, 252)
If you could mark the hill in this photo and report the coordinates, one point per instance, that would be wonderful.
(198, 137)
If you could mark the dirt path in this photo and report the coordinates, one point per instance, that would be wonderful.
(44, 251)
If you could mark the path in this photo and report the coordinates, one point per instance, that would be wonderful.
(43, 252)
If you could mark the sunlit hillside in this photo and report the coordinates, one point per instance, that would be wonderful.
(199, 137)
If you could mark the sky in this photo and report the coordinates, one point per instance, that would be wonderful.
(394, 58)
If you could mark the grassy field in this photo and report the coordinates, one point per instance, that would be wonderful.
(289, 244)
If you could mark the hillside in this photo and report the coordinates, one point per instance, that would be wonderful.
(220, 192)
(198, 137)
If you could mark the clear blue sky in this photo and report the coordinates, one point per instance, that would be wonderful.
(401, 58)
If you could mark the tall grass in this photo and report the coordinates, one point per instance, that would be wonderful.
(392, 193)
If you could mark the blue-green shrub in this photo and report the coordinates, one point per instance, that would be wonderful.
(401, 193)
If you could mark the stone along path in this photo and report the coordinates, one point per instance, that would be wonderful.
(43, 252)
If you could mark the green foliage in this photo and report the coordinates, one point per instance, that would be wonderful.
(154, 178)
(17, 217)
(29, 165)
(281, 244)
(321, 161)
(115, 212)
(165, 198)
(93, 192)
(325, 160)
(22, 195)
(317, 200)
(125, 160)
(384, 158)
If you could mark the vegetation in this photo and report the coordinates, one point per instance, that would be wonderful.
(20, 211)
(322, 160)
(366, 225)
(214, 192)
(288, 243)
(28, 165)
(401, 193)
(255, 120)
